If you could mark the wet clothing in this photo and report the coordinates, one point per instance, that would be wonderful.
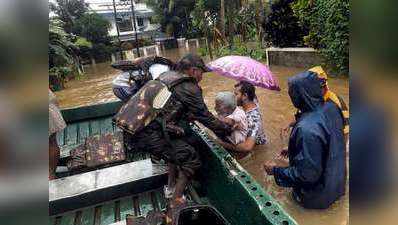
(137, 73)
(317, 166)
(187, 104)
(123, 87)
(56, 122)
(180, 152)
(239, 135)
(124, 93)
(255, 126)
(161, 137)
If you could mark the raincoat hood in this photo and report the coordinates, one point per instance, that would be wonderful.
(305, 91)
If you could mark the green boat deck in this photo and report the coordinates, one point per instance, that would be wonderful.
(113, 211)
(86, 121)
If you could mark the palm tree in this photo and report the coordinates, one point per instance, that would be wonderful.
(62, 52)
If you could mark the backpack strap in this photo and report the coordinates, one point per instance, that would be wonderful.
(172, 79)
(179, 81)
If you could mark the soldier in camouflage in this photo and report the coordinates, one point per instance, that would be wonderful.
(163, 137)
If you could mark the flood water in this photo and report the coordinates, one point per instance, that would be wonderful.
(277, 111)
(95, 85)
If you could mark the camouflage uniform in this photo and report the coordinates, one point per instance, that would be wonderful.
(161, 136)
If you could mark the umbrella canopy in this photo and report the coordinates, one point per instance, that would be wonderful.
(244, 68)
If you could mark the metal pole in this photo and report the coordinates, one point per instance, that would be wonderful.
(135, 28)
(117, 29)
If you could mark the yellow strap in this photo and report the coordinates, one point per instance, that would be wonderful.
(346, 129)
(319, 70)
(329, 95)
(346, 114)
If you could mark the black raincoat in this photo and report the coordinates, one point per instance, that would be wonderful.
(317, 170)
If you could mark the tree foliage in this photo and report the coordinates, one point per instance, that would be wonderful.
(205, 21)
(83, 42)
(69, 11)
(62, 51)
(93, 27)
(189, 18)
(282, 27)
(176, 18)
(172, 15)
(203, 16)
(238, 48)
(245, 21)
(328, 23)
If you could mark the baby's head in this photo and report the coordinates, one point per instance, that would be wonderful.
(225, 103)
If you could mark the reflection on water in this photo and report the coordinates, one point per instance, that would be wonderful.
(276, 109)
(94, 87)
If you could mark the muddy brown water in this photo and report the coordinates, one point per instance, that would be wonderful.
(277, 111)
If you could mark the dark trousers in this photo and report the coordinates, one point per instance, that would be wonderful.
(177, 151)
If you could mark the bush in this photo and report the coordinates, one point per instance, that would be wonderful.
(102, 52)
(238, 48)
(63, 61)
(328, 23)
(62, 74)
(282, 27)
(202, 51)
(82, 42)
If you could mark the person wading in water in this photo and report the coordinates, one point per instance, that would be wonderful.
(316, 151)
(246, 98)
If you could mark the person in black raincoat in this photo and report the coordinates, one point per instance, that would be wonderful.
(316, 151)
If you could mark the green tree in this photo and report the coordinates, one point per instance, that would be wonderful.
(69, 11)
(240, 18)
(93, 27)
(328, 23)
(206, 21)
(62, 51)
(282, 26)
(245, 22)
(259, 18)
(176, 18)
(172, 15)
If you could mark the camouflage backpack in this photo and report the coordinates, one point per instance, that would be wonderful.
(148, 102)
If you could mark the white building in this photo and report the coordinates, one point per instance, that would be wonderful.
(143, 15)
